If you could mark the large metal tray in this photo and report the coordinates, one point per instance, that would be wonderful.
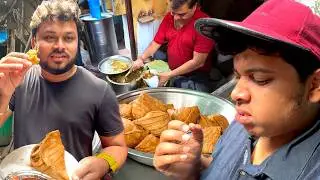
(207, 103)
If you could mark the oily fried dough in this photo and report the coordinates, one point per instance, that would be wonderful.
(187, 114)
(146, 103)
(154, 121)
(217, 120)
(33, 55)
(148, 144)
(133, 134)
(210, 138)
(126, 111)
(48, 156)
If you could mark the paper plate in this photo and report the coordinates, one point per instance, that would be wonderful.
(19, 160)
(158, 65)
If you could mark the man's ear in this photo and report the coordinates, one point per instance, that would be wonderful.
(314, 92)
(33, 42)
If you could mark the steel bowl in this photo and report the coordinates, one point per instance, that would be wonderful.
(105, 66)
(207, 103)
(120, 88)
(28, 174)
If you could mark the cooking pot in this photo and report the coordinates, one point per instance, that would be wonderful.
(120, 88)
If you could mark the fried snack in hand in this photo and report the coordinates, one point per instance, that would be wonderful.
(126, 111)
(133, 134)
(210, 137)
(33, 55)
(148, 144)
(154, 121)
(48, 157)
(187, 114)
(214, 120)
(146, 103)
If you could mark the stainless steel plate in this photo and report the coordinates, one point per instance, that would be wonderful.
(19, 160)
(207, 103)
(105, 66)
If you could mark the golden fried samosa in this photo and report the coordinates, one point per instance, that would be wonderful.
(133, 134)
(210, 138)
(187, 114)
(146, 103)
(48, 156)
(126, 111)
(154, 121)
(148, 144)
(216, 120)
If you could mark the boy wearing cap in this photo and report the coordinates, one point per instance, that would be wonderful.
(58, 95)
(188, 51)
(276, 131)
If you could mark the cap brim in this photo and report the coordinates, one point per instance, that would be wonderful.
(209, 27)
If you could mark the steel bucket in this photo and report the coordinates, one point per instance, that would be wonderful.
(100, 37)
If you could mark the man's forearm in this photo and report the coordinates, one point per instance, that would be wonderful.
(4, 111)
(186, 68)
(152, 48)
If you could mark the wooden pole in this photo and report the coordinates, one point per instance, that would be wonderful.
(131, 29)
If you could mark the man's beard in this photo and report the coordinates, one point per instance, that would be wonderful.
(56, 71)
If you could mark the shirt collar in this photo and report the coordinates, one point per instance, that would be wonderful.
(294, 156)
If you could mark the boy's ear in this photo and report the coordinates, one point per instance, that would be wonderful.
(314, 92)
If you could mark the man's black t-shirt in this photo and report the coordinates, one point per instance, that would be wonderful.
(77, 107)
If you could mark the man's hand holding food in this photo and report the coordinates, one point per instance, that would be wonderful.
(13, 67)
(179, 153)
(91, 168)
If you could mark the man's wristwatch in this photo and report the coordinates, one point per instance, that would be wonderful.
(113, 165)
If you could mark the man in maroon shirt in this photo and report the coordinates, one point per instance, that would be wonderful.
(188, 51)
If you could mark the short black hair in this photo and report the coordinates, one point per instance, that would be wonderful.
(178, 3)
(303, 60)
(78, 22)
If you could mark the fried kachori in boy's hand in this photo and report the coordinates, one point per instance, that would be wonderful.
(187, 114)
(218, 120)
(210, 137)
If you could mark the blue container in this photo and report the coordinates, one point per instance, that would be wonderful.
(3, 36)
(94, 7)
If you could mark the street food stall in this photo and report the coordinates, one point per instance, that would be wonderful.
(129, 86)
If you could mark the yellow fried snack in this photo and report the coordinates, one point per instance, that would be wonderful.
(126, 111)
(48, 156)
(210, 137)
(33, 56)
(187, 114)
(148, 144)
(154, 121)
(146, 103)
(133, 134)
